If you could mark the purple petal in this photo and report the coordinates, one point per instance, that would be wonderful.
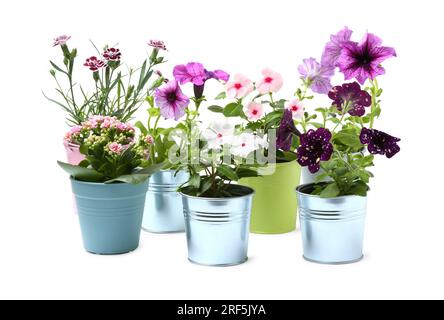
(181, 74)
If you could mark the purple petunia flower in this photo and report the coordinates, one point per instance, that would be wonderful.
(317, 76)
(94, 64)
(363, 60)
(171, 100)
(352, 95)
(112, 54)
(193, 72)
(157, 44)
(61, 40)
(219, 75)
(315, 147)
(286, 132)
(379, 142)
(333, 48)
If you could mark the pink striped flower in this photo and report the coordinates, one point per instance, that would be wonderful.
(94, 64)
(61, 40)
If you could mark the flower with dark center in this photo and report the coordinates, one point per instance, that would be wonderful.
(350, 95)
(363, 60)
(61, 40)
(171, 100)
(112, 54)
(157, 44)
(379, 142)
(286, 132)
(315, 147)
(94, 64)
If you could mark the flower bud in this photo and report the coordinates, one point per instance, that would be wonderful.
(73, 53)
(96, 76)
(52, 72)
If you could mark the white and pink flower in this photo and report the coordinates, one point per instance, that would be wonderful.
(149, 139)
(240, 87)
(218, 134)
(296, 107)
(244, 144)
(271, 82)
(61, 40)
(254, 111)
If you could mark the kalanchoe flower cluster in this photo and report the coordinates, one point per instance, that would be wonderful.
(379, 142)
(94, 64)
(171, 100)
(112, 54)
(104, 130)
(61, 40)
(317, 76)
(351, 96)
(286, 132)
(157, 44)
(315, 147)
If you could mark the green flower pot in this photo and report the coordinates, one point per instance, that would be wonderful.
(275, 206)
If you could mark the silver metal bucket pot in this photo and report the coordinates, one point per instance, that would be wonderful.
(218, 228)
(163, 205)
(333, 228)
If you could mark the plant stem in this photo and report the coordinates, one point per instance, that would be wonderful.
(374, 90)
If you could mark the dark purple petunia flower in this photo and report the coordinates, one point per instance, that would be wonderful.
(112, 54)
(363, 60)
(379, 142)
(94, 64)
(171, 101)
(333, 48)
(351, 94)
(286, 132)
(315, 147)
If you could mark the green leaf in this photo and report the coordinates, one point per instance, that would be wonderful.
(348, 139)
(141, 127)
(195, 181)
(82, 174)
(154, 112)
(360, 188)
(83, 149)
(217, 109)
(84, 164)
(227, 172)
(317, 125)
(233, 110)
(246, 173)
(205, 186)
(151, 169)
(221, 96)
(134, 178)
(330, 191)
(58, 68)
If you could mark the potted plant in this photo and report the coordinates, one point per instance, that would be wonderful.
(163, 206)
(343, 146)
(274, 207)
(109, 186)
(217, 211)
(117, 92)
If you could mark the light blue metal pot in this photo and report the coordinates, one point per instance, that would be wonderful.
(163, 206)
(110, 215)
(218, 228)
(333, 228)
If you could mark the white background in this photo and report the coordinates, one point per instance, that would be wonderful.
(41, 254)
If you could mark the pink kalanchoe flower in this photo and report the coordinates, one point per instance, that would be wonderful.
(75, 129)
(296, 108)
(149, 139)
(112, 54)
(61, 40)
(115, 147)
(254, 111)
(271, 82)
(240, 87)
(157, 44)
(94, 64)
(193, 72)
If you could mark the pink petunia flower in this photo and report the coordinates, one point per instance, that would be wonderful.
(271, 82)
(254, 111)
(61, 40)
(94, 64)
(193, 72)
(296, 108)
(240, 87)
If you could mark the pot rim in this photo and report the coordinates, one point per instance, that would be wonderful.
(298, 191)
(104, 184)
(251, 193)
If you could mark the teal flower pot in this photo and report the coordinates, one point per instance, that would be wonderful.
(110, 215)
